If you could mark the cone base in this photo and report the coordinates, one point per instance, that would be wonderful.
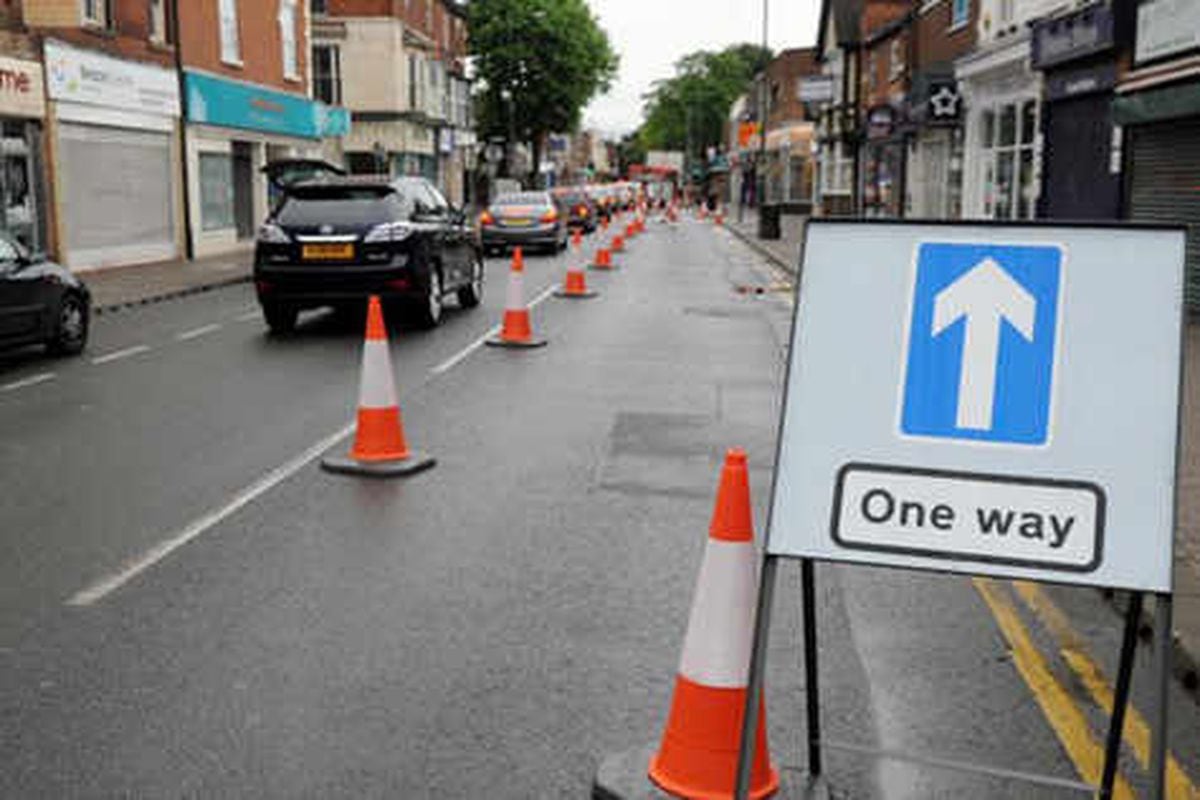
(520, 344)
(584, 295)
(345, 465)
(603, 267)
(622, 776)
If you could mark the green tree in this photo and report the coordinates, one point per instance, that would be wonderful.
(688, 111)
(539, 62)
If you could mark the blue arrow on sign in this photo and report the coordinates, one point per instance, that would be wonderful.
(982, 340)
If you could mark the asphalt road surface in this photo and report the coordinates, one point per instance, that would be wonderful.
(189, 607)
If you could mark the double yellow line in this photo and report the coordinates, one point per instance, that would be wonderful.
(1066, 718)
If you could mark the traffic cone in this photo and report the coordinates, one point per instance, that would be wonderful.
(380, 449)
(575, 284)
(618, 243)
(699, 752)
(718, 217)
(630, 230)
(603, 259)
(516, 331)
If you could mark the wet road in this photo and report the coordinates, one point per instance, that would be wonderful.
(190, 607)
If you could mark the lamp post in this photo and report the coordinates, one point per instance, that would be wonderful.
(761, 173)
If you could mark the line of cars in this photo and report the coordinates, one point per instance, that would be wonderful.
(542, 220)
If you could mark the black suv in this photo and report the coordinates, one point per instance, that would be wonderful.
(336, 241)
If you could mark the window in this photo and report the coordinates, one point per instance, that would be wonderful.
(896, 59)
(231, 46)
(872, 70)
(160, 21)
(1009, 141)
(414, 80)
(318, 7)
(287, 35)
(327, 73)
(837, 167)
(959, 13)
(99, 12)
(216, 191)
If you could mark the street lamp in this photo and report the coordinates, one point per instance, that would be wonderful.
(760, 189)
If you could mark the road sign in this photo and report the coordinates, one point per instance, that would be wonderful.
(989, 399)
(982, 336)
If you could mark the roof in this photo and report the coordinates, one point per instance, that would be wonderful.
(846, 15)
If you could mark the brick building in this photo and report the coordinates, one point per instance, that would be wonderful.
(23, 184)
(399, 67)
(837, 107)
(887, 44)
(246, 101)
(790, 168)
(112, 144)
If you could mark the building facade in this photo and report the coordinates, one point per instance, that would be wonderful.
(112, 131)
(246, 101)
(399, 67)
(23, 186)
(887, 51)
(837, 108)
(789, 170)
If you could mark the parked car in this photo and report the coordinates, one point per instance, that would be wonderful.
(528, 219)
(578, 206)
(336, 241)
(40, 301)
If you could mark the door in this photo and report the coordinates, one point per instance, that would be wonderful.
(243, 189)
(21, 305)
(1076, 162)
(449, 237)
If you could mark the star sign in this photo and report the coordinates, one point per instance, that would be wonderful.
(944, 102)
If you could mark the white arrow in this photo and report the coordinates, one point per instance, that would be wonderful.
(984, 295)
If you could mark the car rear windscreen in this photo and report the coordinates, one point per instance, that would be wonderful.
(338, 206)
(524, 199)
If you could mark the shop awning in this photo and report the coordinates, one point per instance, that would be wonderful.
(796, 137)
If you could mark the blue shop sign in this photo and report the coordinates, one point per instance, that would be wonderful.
(228, 104)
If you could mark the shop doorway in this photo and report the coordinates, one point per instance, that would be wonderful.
(19, 200)
(243, 189)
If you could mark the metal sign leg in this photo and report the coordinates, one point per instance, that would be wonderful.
(1163, 642)
(758, 664)
(808, 587)
(1112, 747)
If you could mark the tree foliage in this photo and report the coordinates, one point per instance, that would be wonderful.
(697, 98)
(538, 62)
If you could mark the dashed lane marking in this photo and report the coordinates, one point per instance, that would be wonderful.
(120, 354)
(248, 316)
(136, 566)
(1067, 720)
(32, 380)
(197, 332)
(1137, 732)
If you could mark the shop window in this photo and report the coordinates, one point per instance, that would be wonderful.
(1009, 179)
(287, 35)
(231, 46)
(327, 73)
(216, 191)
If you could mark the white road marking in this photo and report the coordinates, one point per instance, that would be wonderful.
(126, 353)
(136, 566)
(195, 332)
(32, 380)
(458, 357)
(248, 316)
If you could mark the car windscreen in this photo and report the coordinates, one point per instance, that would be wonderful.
(573, 198)
(338, 206)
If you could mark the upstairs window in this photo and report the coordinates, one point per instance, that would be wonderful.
(287, 35)
(231, 46)
(327, 73)
(318, 7)
(959, 13)
(99, 13)
(160, 21)
(896, 59)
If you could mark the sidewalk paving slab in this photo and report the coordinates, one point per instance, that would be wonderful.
(118, 288)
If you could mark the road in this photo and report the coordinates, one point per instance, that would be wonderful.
(190, 607)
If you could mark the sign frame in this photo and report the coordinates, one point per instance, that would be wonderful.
(769, 566)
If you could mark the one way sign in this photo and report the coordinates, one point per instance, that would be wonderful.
(981, 342)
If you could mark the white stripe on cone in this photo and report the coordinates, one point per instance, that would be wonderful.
(377, 387)
(516, 291)
(716, 649)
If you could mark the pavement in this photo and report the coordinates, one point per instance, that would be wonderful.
(784, 252)
(189, 606)
(117, 288)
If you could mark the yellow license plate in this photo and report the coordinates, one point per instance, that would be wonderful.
(519, 222)
(323, 252)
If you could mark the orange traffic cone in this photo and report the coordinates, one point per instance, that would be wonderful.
(516, 330)
(630, 230)
(699, 751)
(603, 258)
(718, 217)
(618, 243)
(380, 448)
(575, 284)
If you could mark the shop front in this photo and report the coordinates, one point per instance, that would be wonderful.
(115, 158)
(935, 151)
(22, 184)
(883, 163)
(1081, 153)
(1158, 107)
(791, 166)
(1002, 164)
(236, 129)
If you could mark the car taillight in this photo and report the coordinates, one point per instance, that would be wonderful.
(583, 212)
(550, 216)
(486, 218)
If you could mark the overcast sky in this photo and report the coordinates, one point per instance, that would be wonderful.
(651, 35)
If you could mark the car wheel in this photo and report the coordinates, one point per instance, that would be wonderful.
(71, 328)
(429, 312)
(470, 295)
(280, 318)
